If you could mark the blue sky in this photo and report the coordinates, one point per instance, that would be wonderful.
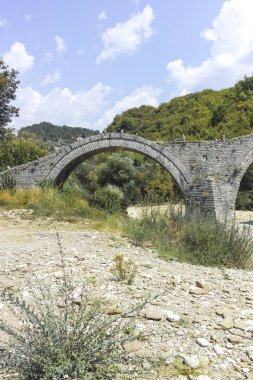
(81, 62)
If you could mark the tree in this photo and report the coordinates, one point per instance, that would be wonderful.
(17, 151)
(8, 87)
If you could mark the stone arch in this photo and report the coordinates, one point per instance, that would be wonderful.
(240, 171)
(76, 153)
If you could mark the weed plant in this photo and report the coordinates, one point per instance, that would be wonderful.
(123, 270)
(63, 336)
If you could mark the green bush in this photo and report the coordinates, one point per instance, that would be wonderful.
(109, 198)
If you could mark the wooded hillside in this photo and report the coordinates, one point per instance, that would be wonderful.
(50, 133)
(205, 115)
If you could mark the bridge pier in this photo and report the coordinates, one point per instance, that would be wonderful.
(211, 199)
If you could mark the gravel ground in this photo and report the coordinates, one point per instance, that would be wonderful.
(203, 315)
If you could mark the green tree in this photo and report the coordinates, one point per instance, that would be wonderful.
(8, 87)
(17, 151)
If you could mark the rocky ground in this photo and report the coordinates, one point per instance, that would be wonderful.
(202, 315)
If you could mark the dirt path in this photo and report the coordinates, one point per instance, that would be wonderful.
(201, 314)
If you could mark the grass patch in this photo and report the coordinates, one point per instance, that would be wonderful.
(68, 204)
(196, 239)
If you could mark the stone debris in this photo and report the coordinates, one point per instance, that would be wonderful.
(203, 342)
(191, 310)
(218, 349)
(171, 316)
(191, 361)
(154, 314)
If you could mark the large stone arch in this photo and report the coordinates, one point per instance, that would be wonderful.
(78, 152)
(240, 170)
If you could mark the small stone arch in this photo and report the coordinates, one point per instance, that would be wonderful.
(78, 152)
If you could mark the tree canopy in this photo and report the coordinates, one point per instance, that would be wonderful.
(8, 87)
(205, 115)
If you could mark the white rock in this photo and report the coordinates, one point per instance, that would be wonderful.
(146, 365)
(249, 352)
(176, 279)
(59, 274)
(191, 361)
(1, 306)
(218, 349)
(77, 293)
(171, 316)
(25, 294)
(202, 377)
(249, 325)
(203, 342)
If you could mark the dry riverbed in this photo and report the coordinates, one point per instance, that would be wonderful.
(202, 315)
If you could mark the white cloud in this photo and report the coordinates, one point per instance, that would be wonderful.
(18, 58)
(51, 78)
(102, 16)
(231, 53)
(60, 44)
(145, 95)
(61, 106)
(126, 37)
(3, 22)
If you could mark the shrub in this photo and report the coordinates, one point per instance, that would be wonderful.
(8, 180)
(109, 198)
(208, 242)
(195, 239)
(155, 226)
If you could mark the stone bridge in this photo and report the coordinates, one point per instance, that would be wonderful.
(208, 173)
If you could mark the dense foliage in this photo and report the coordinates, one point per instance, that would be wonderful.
(55, 134)
(17, 151)
(132, 179)
(8, 87)
(205, 115)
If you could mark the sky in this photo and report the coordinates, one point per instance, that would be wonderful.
(81, 62)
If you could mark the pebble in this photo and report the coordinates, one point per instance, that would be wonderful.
(218, 349)
(171, 316)
(133, 346)
(227, 324)
(198, 291)
(190, 361)
(203, 342)
(154, 314)
(249, 352)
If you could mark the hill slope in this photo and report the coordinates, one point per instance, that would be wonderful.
(55, 134)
